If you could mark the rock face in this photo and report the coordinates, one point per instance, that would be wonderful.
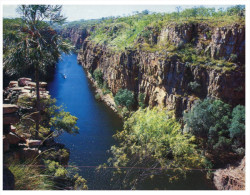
(232, 178)
(76, 35)
(163, 79)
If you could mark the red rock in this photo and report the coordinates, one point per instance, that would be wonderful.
(13, 84)
(9, 108)
(24, 81)
(13, 138)
(11, 118)
(13, 129)
(29, 153)
(32, 143)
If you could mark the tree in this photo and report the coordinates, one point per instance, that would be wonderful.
(36, 44)
(124, 97)
(237, 128)
(152, 138)
(98, 76)
(208, 121)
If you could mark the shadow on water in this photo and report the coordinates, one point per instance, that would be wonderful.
(97, 123)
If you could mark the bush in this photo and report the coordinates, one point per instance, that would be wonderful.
(237, 128)
(208, 121)
(125, 97)
(194, 86)
(98, 97)
(98, 76)
(141, 98)
(153, 138)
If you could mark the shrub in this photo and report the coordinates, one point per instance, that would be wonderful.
(233, 58)
(141, 98)
(194, 86)
(208, 121)
(125, 97)
(153, 138)
(98, 76)
(28, 177)
(98, 97)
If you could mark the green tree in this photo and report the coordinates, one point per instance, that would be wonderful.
(237, 128)
(98, 76)
(208, 121)
(124, 97)
(36, 44)
(152, 138)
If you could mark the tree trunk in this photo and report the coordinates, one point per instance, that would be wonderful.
(37, 101)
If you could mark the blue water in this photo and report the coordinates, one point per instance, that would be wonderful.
(97, 123)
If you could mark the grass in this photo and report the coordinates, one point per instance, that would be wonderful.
(29, 177)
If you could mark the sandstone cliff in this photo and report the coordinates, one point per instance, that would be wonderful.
(231, 178)
(163, 77)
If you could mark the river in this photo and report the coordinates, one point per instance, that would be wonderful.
(97, 123)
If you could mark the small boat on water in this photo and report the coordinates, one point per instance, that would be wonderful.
(64, 76)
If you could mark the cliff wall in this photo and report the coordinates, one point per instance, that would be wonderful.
(163, 77)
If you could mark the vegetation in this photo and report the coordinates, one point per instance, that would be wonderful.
(141, 98)
(123, 32)
(153, 139)
(53, 121)
(125, 97)
(98, 76)
(215, 126)
(34, 44)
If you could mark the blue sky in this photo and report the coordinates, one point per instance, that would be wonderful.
(77, 12)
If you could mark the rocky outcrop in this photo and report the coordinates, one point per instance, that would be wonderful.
(218, 42)
(163, 79)
(75, 35)
(231, 178)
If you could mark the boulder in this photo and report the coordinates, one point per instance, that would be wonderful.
(16, 88)
(13, 138)
(28, 87)
(32, 84)
(24, 91)
(6, 144)
(8, 179)
(11, 118)
(24, 81)
(13, 84)
(29, 153)
(42, 84)
(9, 108)
(33, 143)
(12, 129)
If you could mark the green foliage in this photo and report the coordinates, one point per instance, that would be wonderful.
(208, 120)
(153, 138)
(80, 183)
(218, 129)
(124, 97)
(237, 129)
(194, 86)
(54, 119)
(141, 98)
(28, 177)
(55, 169)
(98, 76)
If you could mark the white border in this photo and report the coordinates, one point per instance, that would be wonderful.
(141, 2)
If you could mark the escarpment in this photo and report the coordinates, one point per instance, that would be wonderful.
(164, 77)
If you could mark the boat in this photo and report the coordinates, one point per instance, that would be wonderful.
(64, 76)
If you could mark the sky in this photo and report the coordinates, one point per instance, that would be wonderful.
(78, 12)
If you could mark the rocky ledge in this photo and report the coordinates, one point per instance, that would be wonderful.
(231, 178)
